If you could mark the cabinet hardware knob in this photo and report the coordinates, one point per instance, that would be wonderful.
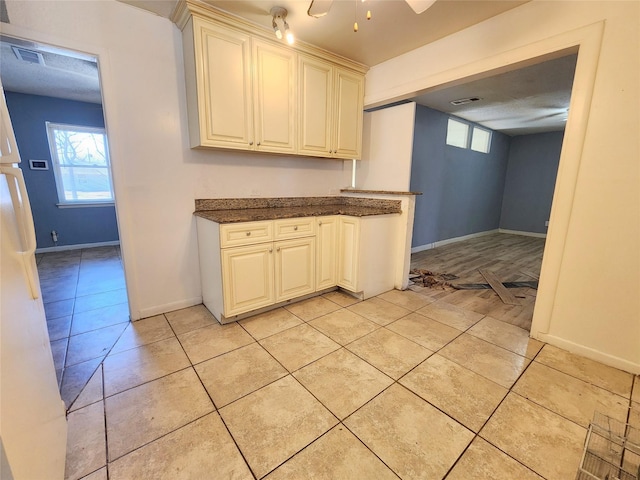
(270, 250)
(248, 234)
(320, 223)
(278, 249)
(250, 143)
(258, 144)
(296, 227)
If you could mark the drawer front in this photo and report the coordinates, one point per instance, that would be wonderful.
(294, 228)
(245, 233)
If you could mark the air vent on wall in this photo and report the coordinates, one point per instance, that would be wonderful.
(29, 56)
(464, 101)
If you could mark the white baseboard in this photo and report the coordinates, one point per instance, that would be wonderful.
(440, 243)
(607, 359)
(525, 234)
(167, 307)
(77, 246)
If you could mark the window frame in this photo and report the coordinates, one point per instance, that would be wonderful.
(63, 202)
(467, 134)
(488, 143)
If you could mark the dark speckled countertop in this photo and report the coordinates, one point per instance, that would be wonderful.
(233, 210)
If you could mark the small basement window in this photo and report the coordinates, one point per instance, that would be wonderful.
(457, 134)
(80, 161)
(481, 140)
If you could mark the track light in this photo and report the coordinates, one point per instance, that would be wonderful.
(280, 13)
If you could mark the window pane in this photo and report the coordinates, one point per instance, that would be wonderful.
(81, 161)
(481, 140)
(80, 148)
(83, 183)
(457, 134)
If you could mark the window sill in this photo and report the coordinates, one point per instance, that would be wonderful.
(84, 205)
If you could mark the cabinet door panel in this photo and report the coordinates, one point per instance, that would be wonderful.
(349, 112)
(348, 240)
(223, 56)
(327, 253)
(295, 268)
(247, 278)
(275, 97)
(315, 107)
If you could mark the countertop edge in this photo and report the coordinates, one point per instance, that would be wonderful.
(378, 192)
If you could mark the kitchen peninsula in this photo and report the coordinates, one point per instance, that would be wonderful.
(260, 253)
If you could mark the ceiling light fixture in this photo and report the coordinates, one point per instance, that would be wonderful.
(280, 13)
(355, 19)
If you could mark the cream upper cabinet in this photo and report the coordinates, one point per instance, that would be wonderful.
(219, 85)
(348, 114)
(247, 91)
(315, 107)
(275, 86)
(331, 109)
(326, 252)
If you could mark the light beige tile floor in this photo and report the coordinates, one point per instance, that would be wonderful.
(404, 385)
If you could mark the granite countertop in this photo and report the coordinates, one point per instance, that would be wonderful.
(233, 210)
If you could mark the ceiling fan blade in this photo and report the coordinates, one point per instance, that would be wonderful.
(420, 6)
(319, 8)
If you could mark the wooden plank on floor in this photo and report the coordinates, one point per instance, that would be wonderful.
(530, 274)
(505, 295)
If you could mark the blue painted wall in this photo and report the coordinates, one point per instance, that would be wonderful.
(74, 225)
(531, 178)
(462, 189)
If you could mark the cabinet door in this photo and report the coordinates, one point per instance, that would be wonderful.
(315, 107)
(274, 97)
(327, 253)
(223, 68)
(349, 107)
(295, 268)
(348, 243)
(247, 278)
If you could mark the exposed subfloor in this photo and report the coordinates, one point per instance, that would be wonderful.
(513, 258)
(403, 385)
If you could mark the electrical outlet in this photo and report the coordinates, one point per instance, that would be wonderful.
(546, 224)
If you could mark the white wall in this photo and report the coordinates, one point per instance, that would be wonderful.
(156, 175)
(387, 146)
(588, 300)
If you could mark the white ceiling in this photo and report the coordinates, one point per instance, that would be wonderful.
(527, 100)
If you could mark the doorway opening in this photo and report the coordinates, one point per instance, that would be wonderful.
(486, 211)
(54, 99)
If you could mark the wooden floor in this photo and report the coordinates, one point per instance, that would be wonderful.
(512, 258)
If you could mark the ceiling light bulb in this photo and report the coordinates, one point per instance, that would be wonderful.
(277, 30)
(355, 26)
(289, 34)
(368, 14)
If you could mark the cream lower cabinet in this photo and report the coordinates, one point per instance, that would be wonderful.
(245, 267)
(326, 252)
(294, 268)
(366, 254)
(247, 278)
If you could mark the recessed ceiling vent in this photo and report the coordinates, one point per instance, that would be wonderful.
(464, 101)
(29, 56)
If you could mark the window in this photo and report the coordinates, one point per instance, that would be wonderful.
(457, 133)
(458, 136)
(481, 140)
(80, 160)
